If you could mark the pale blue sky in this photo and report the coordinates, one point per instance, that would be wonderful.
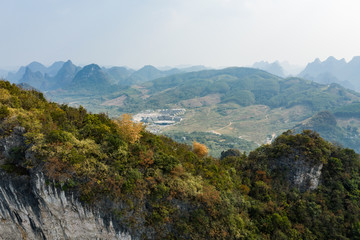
(214, 33)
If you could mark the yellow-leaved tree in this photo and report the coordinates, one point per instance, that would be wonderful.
(200, 149)
(128, 129)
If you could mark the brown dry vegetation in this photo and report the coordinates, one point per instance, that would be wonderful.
(200, 149)
(130, 130)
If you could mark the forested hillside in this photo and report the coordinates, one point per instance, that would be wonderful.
(245, 103)
(298, 187)
(326, 124)
(243, 86)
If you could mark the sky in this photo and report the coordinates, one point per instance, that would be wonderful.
(214, 33)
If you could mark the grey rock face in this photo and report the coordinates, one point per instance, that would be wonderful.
(32, 208)
(7, 144)
(306, 176)
(299, 172)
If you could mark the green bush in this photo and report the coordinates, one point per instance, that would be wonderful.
(58, 136)
(4, 111)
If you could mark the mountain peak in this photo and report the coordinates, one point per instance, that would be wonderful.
(27, 71)
(36, 66)
(148, 67)
(355, 59)
(35, 63)
(146, 73)
(331, 59)
(317, 60)
(91, 77)
(92, 67)
(273, 68)
(65, 75)
(54, 68)
(334, 71)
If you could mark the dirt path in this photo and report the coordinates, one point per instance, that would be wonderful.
(230, 123)
(215, 132)
(208, 113)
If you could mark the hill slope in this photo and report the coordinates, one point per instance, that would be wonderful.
(243, 86)
(244, 103)
(119, 74)
(148, 186)
(148, 73)
(325, 123)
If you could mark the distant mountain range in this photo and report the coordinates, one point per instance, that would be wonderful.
(273, 68)
(329, 71)
(282, 69)
(66, 75)
(3, 73)
(60, 75)
(334, 71)
(35, 67)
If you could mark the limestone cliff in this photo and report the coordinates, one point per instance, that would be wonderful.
(33, 208)
(299, 172)
(295, 160)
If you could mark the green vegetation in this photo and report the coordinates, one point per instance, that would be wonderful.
(256, 124)
(235, 102)
(214, 142)
(351, 110)
(165, 187)
(325, 124)
(244, 86)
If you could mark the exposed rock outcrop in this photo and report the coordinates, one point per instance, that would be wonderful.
(33, 208)
(295, 160)
(300, 173)
(7, 144)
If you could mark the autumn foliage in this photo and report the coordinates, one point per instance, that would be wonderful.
(128, 129)
(200, 149)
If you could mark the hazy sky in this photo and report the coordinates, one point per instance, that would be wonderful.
(173, 32)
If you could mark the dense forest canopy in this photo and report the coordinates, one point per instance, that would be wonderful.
(176, 192)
